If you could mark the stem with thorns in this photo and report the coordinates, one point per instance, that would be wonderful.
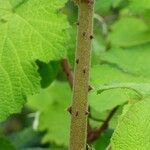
(79, 109)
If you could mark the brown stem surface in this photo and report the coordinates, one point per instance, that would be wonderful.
(78, 131)
(67, 69)
(92, 134)
(69, 73)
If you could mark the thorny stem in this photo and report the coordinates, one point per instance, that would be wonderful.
(78, 131)
(92, 134)
(69, 73)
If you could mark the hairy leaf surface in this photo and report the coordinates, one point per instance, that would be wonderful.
(133, 130)
(29, 30)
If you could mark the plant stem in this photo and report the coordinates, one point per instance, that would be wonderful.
(79, 109)
(67, 69)
(93, 135)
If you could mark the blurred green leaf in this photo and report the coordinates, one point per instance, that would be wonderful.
(103, 6)
(116, 3)
(139, 6)
(103, 141)
(25, 138)
(108, 100)
(129, 31)
(36, 148)
(54, 119)
(48, 72)
(107, 75)
(111, 73)
(143, 89)
(5, 144)
(134, 60)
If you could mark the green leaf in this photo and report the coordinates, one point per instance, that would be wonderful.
(114, 120)
(133, 130)
(142, 89)
(104, 6)
(36, 148)
(116, 3)
(103, 142)
(129, 31)
(108, 100)
(40, 148)
(139, 6)
(5, 143)
(108, 75)
(30, 30)
(24, 138)
(111, 73)
(134, 61)
(48, 72)
(52, 104)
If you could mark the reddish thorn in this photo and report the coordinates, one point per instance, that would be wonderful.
(84, 33)
(76, 114)
(91, 37)
(90, 88)
(77, 61)
(69, 109)
(84, 71)
(86, 113)
(90, 2)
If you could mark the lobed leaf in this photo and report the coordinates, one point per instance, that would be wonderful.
(29, 30)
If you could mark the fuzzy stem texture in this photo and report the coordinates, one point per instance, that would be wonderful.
(79, 109)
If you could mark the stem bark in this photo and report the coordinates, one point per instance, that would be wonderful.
(79, 109)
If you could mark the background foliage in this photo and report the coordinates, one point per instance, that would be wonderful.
(35, 38)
